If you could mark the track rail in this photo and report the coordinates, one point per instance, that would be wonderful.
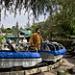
(43, 67)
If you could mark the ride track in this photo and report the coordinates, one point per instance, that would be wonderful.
(41, 67)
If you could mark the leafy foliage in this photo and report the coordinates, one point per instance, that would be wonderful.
(1, 38)
(7, 30)
(37, 6)
(62, 23)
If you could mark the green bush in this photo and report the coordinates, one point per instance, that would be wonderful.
(1, 38)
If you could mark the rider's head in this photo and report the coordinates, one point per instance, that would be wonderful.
(38, 30)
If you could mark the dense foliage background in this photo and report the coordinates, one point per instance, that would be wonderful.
(60, 23)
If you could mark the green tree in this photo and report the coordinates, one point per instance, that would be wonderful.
(64, 21)
(37, 6)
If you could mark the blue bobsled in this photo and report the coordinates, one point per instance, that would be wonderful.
(18, 55)
(9, 59)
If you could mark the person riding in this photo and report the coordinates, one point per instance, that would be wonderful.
(36, 40)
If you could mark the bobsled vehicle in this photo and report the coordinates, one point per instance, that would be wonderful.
(10, 59)
(52, 51)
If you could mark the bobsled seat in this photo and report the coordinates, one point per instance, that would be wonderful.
(25, 59)
(52, 52)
